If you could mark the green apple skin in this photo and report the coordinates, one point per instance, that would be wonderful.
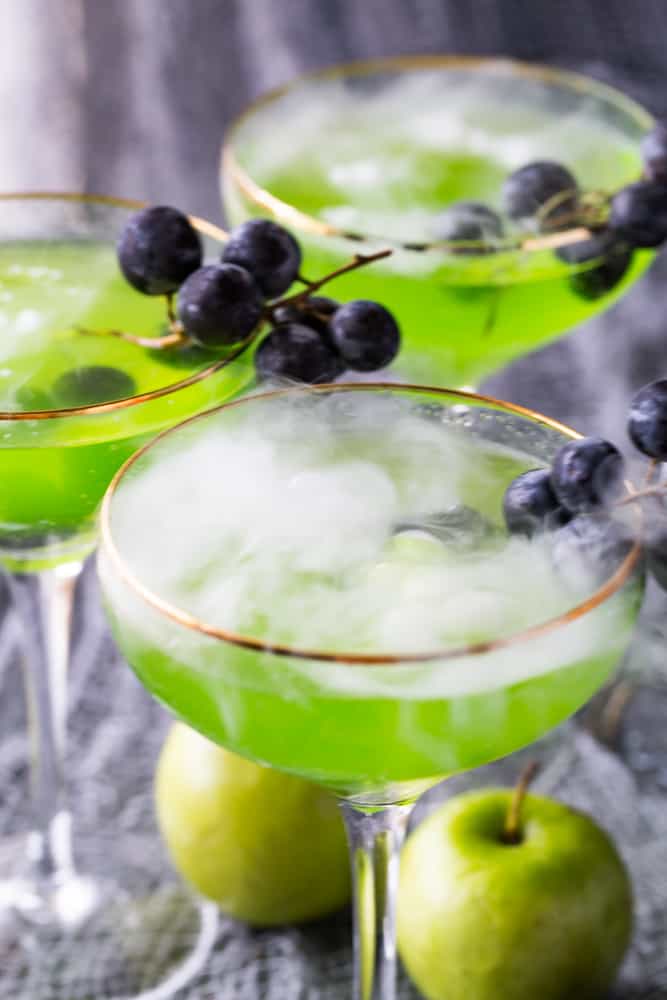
(547, 919)
(269, 848)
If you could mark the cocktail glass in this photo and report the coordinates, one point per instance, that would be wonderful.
(365, 156)
(75, 402)
(375, 727)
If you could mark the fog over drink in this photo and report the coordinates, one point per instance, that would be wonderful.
(397, 150)
(278, 519)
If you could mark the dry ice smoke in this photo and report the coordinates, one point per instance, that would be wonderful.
(275, 518)
(381, 145)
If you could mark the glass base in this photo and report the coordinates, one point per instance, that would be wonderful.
(137, 939)
(62, 904)
(48, 552)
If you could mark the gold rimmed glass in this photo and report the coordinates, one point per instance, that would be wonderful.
(53, 518)
(485, 309)
(377, 728)
(75, 402)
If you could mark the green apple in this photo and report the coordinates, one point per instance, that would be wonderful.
(547, 918)
(267, 847)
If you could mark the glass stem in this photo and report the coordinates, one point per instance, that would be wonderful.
(375, 839)
(44, 602)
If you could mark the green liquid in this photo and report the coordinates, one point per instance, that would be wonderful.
(351, 743)
(458, 328)
(383, 162)
(54, 472)
(355, 728)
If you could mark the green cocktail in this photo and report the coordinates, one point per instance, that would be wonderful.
(369, 155)
(55, 467)
(76, 401)
(297, 618)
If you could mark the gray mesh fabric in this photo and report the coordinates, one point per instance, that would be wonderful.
(116, 731)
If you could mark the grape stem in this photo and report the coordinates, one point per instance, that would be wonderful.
(651, 470)
(554, 202)
(512, 830)
(359, 260)
(589, 210)
(171, 315)
(175, 338)
(649, 491)
(552, 241)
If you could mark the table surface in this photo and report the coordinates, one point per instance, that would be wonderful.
(116, 732)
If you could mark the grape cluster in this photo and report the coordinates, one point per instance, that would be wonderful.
(309, 339)
(578, 499)
(544, 196)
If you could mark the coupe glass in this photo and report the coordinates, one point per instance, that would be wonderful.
(58, 454)
(377, 172)
(377, 729)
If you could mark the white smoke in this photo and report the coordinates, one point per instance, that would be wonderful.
(276, 519)
(371, 159)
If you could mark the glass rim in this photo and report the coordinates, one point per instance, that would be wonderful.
(202, 226)
(183, 618)
(292, 217)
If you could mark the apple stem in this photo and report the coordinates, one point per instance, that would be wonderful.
(512, 833)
